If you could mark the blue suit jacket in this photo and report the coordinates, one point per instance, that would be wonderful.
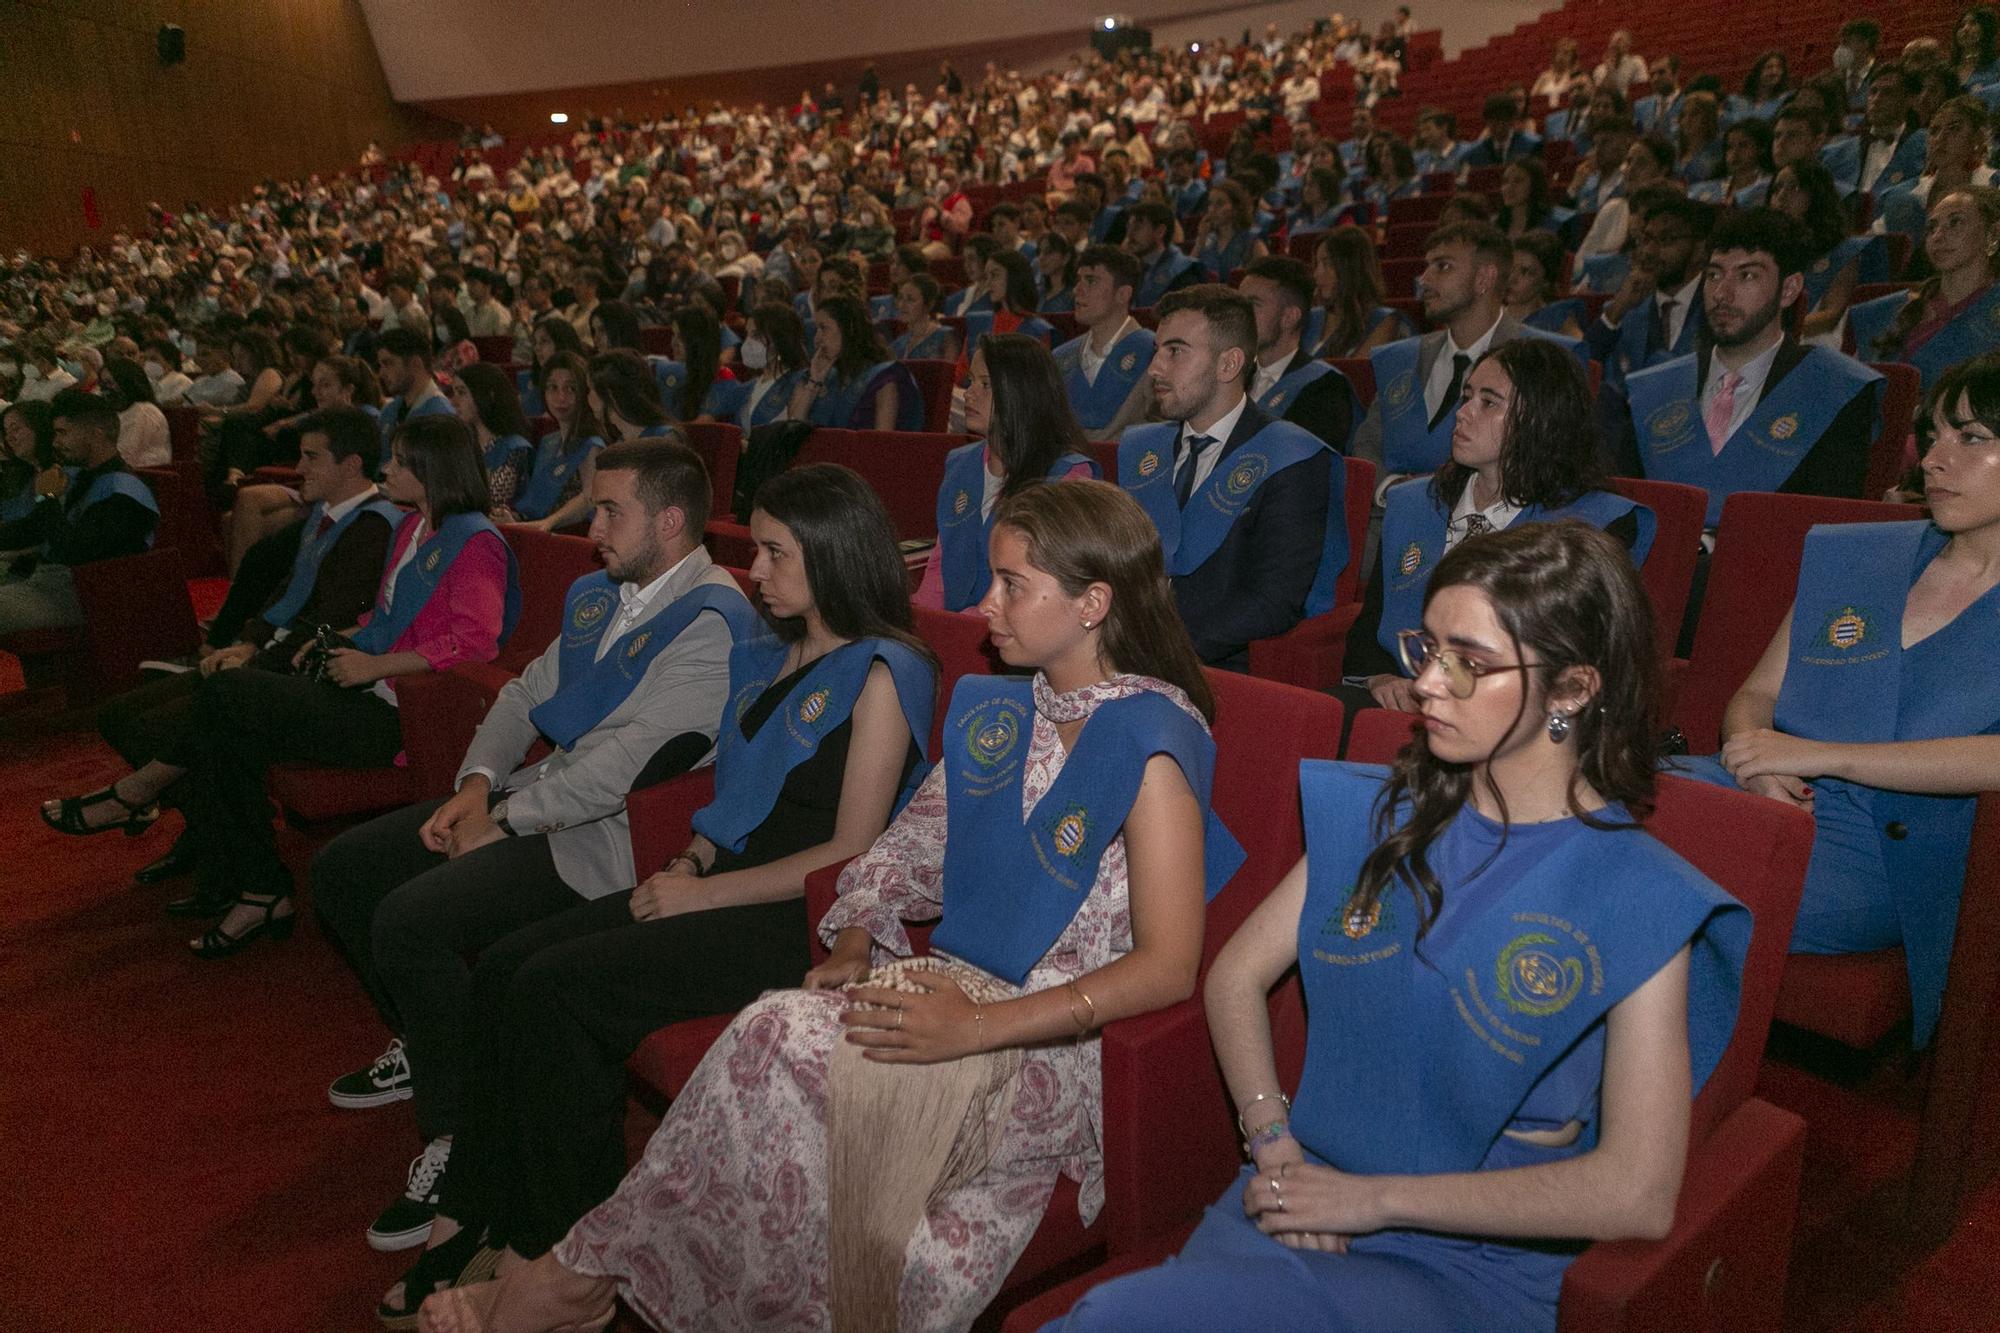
(1844, 157)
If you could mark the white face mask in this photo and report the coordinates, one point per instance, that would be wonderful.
(755, 355)
(1843, 58)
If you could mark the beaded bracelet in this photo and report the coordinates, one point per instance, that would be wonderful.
(1281, 1128)
(1260, 1097)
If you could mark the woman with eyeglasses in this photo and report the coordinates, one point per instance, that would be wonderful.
(1873, 708)
(1513, 992)
(1524, 450)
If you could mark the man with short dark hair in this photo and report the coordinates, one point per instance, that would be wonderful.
(1107, 215)
(1163, 266)
(1889, 149)
(1659, 111)
(1419, 381)
(1104, 367)
(485, 316)
(631, 692)
(403, 364)
(1435, 146)
(1287, 381)
(1854, 59)
(1187, 194)
(1752, 409)
(1503, 140)
(1251, 511)
(1656, 312)
(104, 512)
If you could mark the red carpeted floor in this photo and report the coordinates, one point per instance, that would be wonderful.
(171, 1161)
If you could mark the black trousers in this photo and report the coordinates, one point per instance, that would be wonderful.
(245, 721)
(557, 1008)
(153, 720)
(264, 568)
(410, 918)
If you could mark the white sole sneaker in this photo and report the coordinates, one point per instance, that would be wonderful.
(390, 1241)
(349, 1101)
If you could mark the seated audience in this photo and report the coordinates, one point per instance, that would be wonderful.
(1752, 408)
(1287, 382)
(448, 594)
(1348, 318)
(1655, 313)
(821, 745)
(1014, 402)
(1026, 965)
(490, 410)
(1251, 511)
(629, 693)
(1104, 367)
(1531, 287)
(1746, 167)
(1886, 747)
(1163, 268)
(774, 351)
(104, 512)
(556, 492)
(1950, 317)
(923, 338)
(1366, 1199)
(331, 578)
(853, 383)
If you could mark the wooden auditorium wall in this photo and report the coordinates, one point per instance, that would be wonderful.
(97, 127)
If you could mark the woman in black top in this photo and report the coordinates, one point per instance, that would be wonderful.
(558, 1007)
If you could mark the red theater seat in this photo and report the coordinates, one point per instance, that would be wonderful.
(1723, 1266)
(1668, 573)
(720, 445)
(135, 608)
(495, 348)
(935, 380)
(1902, 395)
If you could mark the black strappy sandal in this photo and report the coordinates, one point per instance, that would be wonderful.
(68, 817)
(458, 1262)
(216, 943)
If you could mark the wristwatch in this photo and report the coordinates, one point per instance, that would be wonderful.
(498, 814)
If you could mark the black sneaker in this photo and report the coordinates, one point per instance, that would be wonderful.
(385, 1081)
(407, 1222)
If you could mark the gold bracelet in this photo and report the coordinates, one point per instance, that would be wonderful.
(1082, 1025)
(978, 1029)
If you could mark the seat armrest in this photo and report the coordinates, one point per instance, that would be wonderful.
(439, 712)
(661, 817)
(1169, 1136)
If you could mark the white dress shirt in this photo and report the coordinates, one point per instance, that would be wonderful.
(632, 603)
(1439, 382)
(1673, 321)
(1497, 515)
(1093, 360)
(1748, 390)
(1267, 376)
(1218, 434)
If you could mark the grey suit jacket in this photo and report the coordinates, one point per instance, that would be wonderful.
(577, 796)
(1368, 439)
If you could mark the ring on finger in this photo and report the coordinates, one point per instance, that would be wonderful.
(899, 1020)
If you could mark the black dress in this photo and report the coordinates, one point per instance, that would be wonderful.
(559, 1006)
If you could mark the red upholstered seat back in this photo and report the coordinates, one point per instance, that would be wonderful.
(1902, 394)
(934, 380)
(1360, 372)
(1751, 579)
(1668, 573)
(549, 563)
(1262, 731)
(135, 608)
(905, 468)
(959, 640)
(720, 444)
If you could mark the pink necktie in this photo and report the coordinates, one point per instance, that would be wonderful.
(1721, 408)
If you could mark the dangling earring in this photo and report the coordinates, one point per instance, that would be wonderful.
(1558, 727)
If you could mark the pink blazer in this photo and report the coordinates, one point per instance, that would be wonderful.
(461, 621)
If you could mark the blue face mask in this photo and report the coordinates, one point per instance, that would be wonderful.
(73, 367)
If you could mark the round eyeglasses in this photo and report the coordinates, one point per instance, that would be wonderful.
(1461, 674)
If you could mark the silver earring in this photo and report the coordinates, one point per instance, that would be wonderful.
(1558, 727)
(1090, 624)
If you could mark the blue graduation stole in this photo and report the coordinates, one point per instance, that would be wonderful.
(503, 448)
(1868, 253)
(1013, 885)
(1513, 980)
(1635, 336)
(1409, 444)
(963, 532)
(769, 408)
(1769, 445)
(553, 467)
(750, 771)
(1062, 303)
(1975, 332)
(1165, 271)
(842, 399)
(931, 348)
(531, 397)
(882, 307)
(313, 550)
(420, 577)
(1849, 679)
(1604, 273)
(1717, 192)
(1096, 404)
(1221, 260)
(588, 689)
(980, 323)
(1189, 537)
(1188, 198)
(1551, 317)
(392, 416)
(1413, 531)
(1286, 391)
(120, 482)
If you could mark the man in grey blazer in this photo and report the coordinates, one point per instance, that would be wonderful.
(414, 894)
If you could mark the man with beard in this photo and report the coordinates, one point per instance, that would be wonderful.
(1655, 313)
(1753, 409)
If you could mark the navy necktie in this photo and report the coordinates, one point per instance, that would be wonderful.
(1190, 460)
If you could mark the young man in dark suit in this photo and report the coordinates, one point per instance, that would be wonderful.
(1286, 381)
(1250, 510)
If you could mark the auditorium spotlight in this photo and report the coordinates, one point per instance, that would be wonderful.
(558, 118)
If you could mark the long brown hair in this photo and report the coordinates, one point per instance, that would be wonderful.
(1570, 593)
(1357, 290)
(1889, 347)
(1085, 532)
